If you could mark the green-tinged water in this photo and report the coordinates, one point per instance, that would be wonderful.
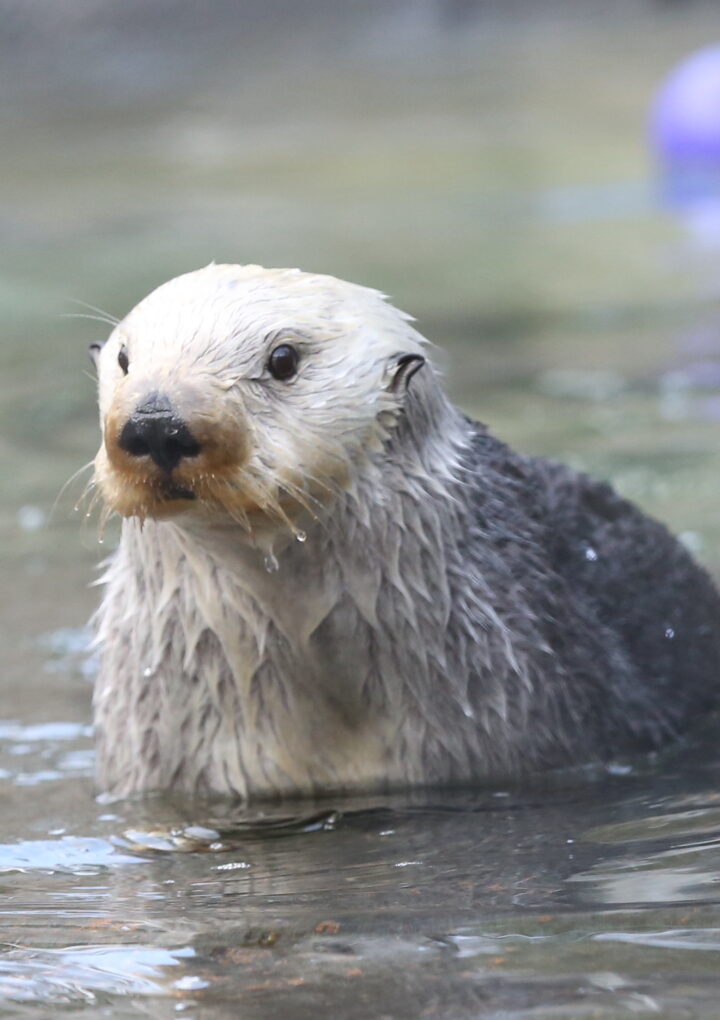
(491, 175)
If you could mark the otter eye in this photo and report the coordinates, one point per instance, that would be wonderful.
(283, 362)
(123, 360)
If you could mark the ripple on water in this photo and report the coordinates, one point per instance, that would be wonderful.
(658, 859)
(466, 899)
(41, 753)
(43, 733)
(591, 894)
(81, 973)
(73, 855)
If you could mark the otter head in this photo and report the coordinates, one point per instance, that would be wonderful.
(248, 394)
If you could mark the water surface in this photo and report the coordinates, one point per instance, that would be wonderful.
(586, 894)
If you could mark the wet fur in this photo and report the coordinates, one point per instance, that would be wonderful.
(459, 612)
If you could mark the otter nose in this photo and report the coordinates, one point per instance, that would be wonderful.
(156, 430)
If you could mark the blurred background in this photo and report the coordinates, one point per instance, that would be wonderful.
(495, 166)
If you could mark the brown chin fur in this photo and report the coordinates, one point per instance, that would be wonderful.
(233, 494)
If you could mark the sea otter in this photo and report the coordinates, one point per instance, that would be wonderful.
(329, 579)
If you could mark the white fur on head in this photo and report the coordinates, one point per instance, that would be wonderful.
(268, 447)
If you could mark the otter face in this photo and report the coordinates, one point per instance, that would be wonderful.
(248, 393)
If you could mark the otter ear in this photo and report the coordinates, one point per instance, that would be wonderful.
(94, 352)
(401, 368)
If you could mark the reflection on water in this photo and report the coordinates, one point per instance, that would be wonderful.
(497, 186)
(518, 902)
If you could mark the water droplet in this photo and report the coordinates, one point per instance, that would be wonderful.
(271, 563)
(300, 536)
(590, 554)
(89, 513)
(148, 671)
(669, 633)
(100, 540)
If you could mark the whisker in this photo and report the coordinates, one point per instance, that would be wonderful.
(272, 506)
(69, 482)
(84, 315)
(332, 488)
(107, 316)
(87, 491)
(105, 515)
(240, 517)
(267, 501)
(95, 498)
(236, 514)
(301, 497)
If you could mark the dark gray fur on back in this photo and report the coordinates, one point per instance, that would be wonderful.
(628, 620)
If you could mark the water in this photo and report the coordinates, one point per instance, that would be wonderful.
(593, 894)
(489, 171)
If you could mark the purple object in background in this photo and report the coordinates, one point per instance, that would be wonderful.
(684, 132)
(685, 120)
(685, 129)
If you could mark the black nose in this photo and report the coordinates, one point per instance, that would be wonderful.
(155, 430)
